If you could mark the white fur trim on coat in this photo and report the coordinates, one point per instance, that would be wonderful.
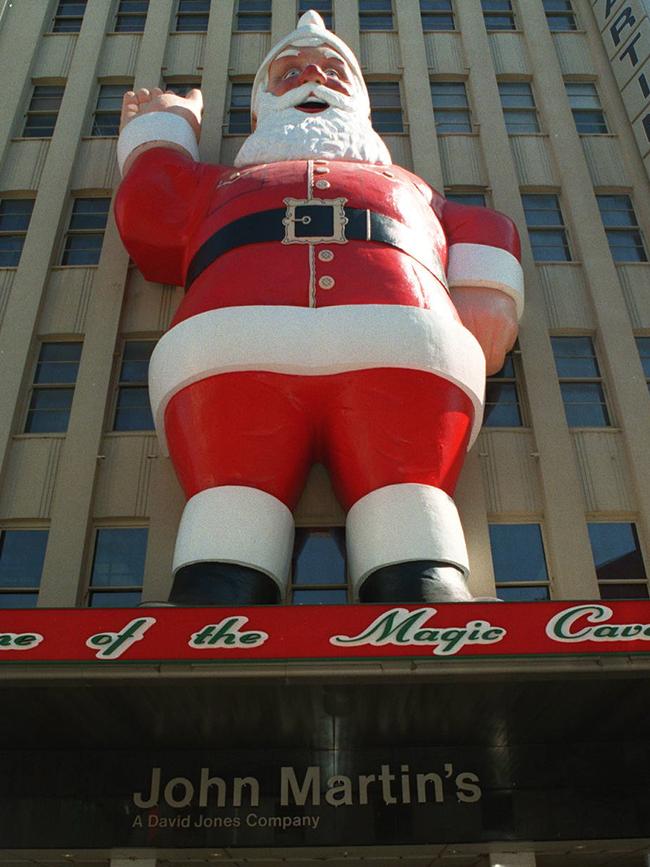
(402, 523)
(316, 342)
(157, 126)
(236, 524)
(491, 267)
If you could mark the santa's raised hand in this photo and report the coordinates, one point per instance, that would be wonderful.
(137, 104)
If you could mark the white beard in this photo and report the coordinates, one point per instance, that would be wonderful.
(340, 132)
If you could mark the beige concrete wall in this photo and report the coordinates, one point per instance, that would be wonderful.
(540, 473)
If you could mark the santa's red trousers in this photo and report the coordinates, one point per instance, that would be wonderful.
(371, 428)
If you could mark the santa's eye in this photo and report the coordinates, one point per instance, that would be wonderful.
(290, 73)
(332, 73)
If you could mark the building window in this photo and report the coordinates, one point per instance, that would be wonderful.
(643, 345)
(622, 229)
(498, 14)
(518, 106)
(192, 16)
(560, 15)
(83, 241)
(15, 215)
(466, 197)
(548, 236)
(131, 16)
(254, 15)
(181, 88)
(132, 409)
(386, 106)
(22, 553)
(519, 562)
(118, 568)
(437, 15)
(239, 113)
(619, 565)
(69, 16)
(580, 382)
(585, 107)
(450, 107)
(323, 7)
(502, 406)
(53, 388)
(43, 110)
(319, 567)
(375, 15)
(106, 120)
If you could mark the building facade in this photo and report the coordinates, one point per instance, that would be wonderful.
(538, 108)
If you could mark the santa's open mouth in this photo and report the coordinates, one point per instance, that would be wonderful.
(312, 106)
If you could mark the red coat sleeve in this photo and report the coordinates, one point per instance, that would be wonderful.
(471, 224)
(156, 208)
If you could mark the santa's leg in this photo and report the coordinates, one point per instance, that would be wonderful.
(396, 445)
(241, 449)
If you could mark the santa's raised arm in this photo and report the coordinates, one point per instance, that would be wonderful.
(338, 310)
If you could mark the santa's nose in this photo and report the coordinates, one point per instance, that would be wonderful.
(313, 72)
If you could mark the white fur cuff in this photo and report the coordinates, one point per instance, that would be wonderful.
(158, 126)
(491, 267)
(236, 524)
(401, 523)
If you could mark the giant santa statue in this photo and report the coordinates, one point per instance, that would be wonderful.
(337, 310)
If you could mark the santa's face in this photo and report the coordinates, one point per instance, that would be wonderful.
(311, 107)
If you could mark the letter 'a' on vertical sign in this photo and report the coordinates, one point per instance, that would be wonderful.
(364, 322)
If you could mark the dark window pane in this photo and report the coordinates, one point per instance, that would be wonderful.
(39, 125)
(616, 551)
(18, 600)
(89, 213)
(119, 557)
(501, 405)
(106, 124)
(130, 23)
(133, 410)
(192, 23)
(643, 345)
(49, 410)
(22, 553)
(182, 88)
(120, 599)
(467, 198)
(319, 556)
(320, 597)
(534, 593)
(82, 250)
(575, 357)
(584, 404)
(11, 246)
(517, 553)
(15, 214)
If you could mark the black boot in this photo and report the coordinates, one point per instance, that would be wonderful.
(415, 581)
(212, 583)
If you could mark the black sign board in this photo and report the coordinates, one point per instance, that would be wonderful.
(244, 798)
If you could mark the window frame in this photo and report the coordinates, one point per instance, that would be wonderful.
(526, 584)
(126, 16)
(126, 385)
(623, 582)
(441, 111)
(582, 379)
(241, 15)
(516, 381)
(105, 590)
(105, 112)
(429, 16)
(327, 16)
(465, 194)
(183, 15)
(62, 17)
(78, 232)
(19, 233)
(492, 14)
(59, 385)
(540, 229)
(580, 113)
(567, 14)
(374, 87)
(30, 592)
(236, 111)
(177, 84)
(626, 229)
(315, 587)
(367, 13)
(529, 110)
(36, 113)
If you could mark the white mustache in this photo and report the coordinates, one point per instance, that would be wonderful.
(292, 98)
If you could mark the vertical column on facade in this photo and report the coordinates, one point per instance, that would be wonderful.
(72, 501)
(511, 859)
(283, 19)
(617, 349)
(214, 82)
(21, 28)
(417, 93)
(570, 552)
(346, 23)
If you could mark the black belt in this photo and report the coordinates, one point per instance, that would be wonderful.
(314, 221)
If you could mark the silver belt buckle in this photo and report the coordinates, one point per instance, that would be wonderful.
(339, 221)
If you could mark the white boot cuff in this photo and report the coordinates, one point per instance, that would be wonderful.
(399, 523)
(234, 524)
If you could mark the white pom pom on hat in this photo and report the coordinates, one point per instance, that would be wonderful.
(311, 31)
